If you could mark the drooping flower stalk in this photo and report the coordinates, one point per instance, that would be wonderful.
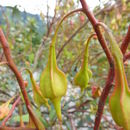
(4, 108)
(53, 82)
(120, 99)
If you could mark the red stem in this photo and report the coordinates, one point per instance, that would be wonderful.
(13, 66)
(11, 111)
(126, 56)
(16, 128)
(103, 98)
(18, 75)
(94, 23)
(125, 41)
(110, 77)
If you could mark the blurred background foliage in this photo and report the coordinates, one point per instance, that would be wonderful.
(27, 34)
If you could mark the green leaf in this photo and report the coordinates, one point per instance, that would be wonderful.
(25, 118)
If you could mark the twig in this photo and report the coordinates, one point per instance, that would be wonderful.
(16, 128)
(73, 127)
(20, 114)
(5, 93)
(3, 63)
(110, 78)
(1, 56)
(7, 23)
(94, 22)
(11, 111)
(41, 47)
(103, 98)
(73, 35)
(77, 108)
(126, 56)
(126, 41)
(69, 39)
(13, 67)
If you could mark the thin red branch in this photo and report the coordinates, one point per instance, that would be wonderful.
(11, 111)
(16, 128)
(78, 108)
(126, 41)
(73, 127)
(126, 56)
(94, 23)
(110, 77)
(98, 12)
(5, 92)
(38, 53)
(103, 98)
(13, 67)
(104, 95)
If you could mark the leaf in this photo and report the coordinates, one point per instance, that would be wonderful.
(25, 118)
(68, 125)
(4, 108)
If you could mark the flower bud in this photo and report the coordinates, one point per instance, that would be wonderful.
(96, 91)
(82, 78)
(53, 82)
(4, 108)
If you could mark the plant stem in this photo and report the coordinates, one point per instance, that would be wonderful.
(126, 56)
(94, 23)
(11, 111)
(59, 24)
(110, 77)
(126, 41)
(13, 67)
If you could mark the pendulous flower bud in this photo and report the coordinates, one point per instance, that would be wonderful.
(53, 82)
(82, 78)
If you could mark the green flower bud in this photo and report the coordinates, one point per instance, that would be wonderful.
(82, 78)
(53, 82)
